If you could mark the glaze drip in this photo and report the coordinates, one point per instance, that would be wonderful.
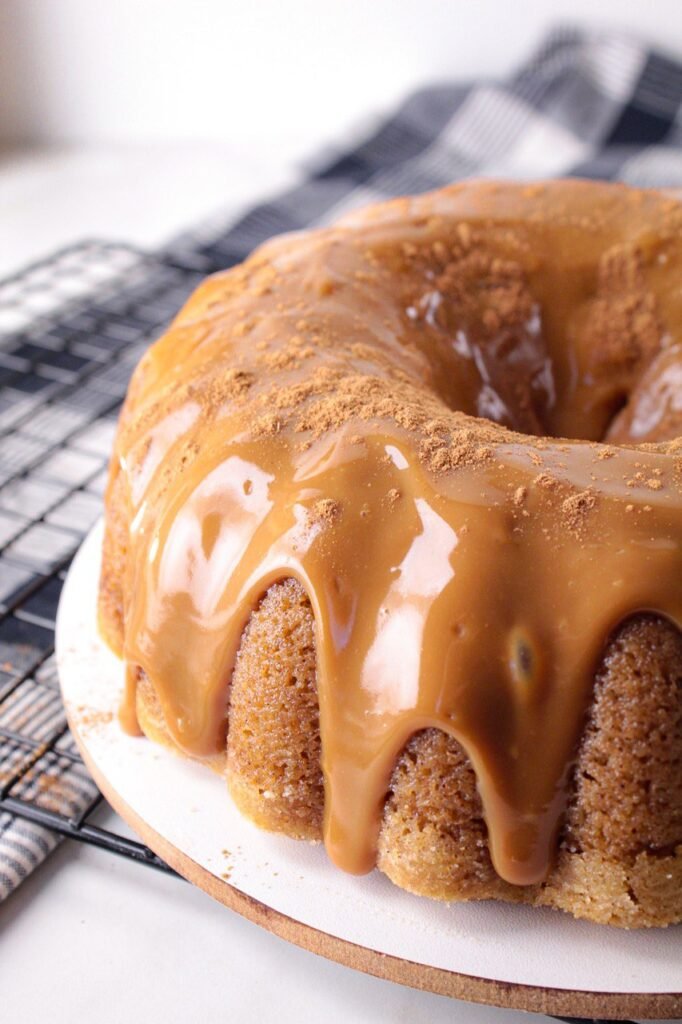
(309, 415)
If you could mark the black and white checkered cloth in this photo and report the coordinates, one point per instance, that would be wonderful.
(590, 105)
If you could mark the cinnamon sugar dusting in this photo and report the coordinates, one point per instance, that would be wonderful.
(625, 326)
(91, 719)
(547, 482)
(326, 511)
(575, 511)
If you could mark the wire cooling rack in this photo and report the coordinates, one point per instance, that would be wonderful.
(72, 329)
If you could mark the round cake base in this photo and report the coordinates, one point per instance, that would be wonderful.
(509, 956)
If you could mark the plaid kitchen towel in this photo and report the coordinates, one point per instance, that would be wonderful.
(594, 105)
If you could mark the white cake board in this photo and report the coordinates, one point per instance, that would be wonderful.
(521, 957)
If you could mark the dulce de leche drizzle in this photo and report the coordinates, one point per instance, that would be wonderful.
(309, 415)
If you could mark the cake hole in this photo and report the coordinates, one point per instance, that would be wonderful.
(613, 408)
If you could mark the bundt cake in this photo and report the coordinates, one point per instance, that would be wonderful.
(393, 540)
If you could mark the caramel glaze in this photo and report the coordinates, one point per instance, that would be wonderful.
(310, 414)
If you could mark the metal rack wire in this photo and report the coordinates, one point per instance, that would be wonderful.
(71, 330)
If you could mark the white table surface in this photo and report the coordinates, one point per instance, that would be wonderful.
(90, 936)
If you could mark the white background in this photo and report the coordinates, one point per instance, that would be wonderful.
(132, 119)
(286, 73)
